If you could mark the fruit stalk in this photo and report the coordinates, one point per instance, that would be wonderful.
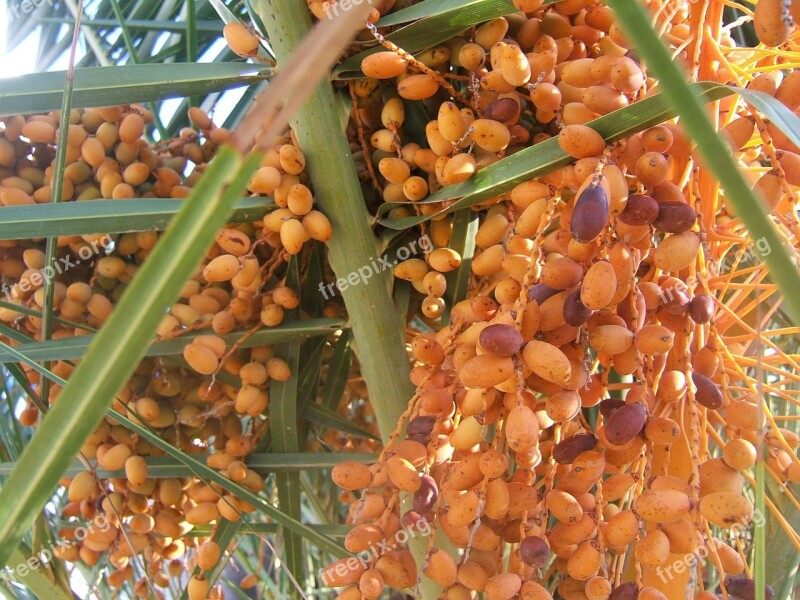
(376, 328)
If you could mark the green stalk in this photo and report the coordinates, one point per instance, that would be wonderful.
(140, 24)
(160, 467)
(760, 541)
(191, 40)
(716, 154)
(377, 331)
(760, 537)
(462, 240)
(283, 419)
(191, 31)
(56, 188)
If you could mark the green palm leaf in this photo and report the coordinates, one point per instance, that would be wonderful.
(108, 86)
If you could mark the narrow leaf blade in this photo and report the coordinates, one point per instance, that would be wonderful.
(32, 221)
(462, 240)
(110, 86)
(546, 156)
(76, 347)
(283, 422)
(338, 372)
(434, 21)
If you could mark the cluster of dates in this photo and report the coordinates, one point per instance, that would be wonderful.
(558, 429)
(210, 401)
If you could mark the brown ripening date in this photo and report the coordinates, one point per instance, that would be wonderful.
(626, 591)
(567, 450)
(590, 216)
(706, 392)
(421, 426)
(674, 217)
(501, 340)
(534, 551)
(504, 110)
(639, 210)
(625, 423)
(425, 497)
(575, 313)
(541, 292)
(745, 588)
(608, 406)
(701, 308)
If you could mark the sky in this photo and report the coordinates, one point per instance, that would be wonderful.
(21, 60)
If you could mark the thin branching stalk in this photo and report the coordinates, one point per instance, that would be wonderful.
(56, 189)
